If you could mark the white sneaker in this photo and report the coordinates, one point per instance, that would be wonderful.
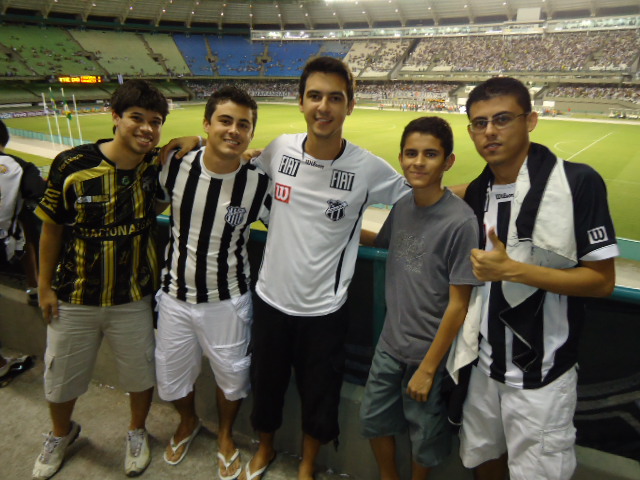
(50, 459)
(138, 455)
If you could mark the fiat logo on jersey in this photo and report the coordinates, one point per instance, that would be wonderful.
(336, 209)
(283, 193)
(235, 215)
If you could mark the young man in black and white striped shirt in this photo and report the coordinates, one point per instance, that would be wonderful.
(547, 239)
(204, 303)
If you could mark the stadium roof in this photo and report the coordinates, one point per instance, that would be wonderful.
(307, 14)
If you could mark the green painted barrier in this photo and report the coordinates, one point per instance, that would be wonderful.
(629, 249)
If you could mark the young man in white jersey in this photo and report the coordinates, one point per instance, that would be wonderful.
(321, 186)
(204, 305)
(553, 218)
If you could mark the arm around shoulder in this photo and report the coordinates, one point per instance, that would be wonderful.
(368, 237)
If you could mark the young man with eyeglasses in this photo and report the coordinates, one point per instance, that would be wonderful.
(547, 238)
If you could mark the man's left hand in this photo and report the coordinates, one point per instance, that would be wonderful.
(493, 265)
(420, 386)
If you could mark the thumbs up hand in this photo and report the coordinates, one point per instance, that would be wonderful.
(494, 265)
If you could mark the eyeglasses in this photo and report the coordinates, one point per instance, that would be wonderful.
(500, 121)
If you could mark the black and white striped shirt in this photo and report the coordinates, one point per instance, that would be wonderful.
(206, 257)
(559, 318)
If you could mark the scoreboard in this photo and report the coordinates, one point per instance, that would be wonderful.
(75, 79)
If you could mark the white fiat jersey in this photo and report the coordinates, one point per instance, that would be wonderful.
(315, 221)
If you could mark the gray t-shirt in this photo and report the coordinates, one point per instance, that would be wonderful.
(429, 250)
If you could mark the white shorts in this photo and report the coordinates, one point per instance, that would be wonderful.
(220, 330)
(74, 338)
(534, 426)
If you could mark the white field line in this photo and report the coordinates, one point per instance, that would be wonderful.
(625, 182)
(590, 145)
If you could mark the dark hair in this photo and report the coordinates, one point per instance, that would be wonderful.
(233, 94)
(500, 87)
(4, 134)
(436, 126)
(327, 65)
(139, 93)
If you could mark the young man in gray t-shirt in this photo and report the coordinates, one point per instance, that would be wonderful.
(428, 284)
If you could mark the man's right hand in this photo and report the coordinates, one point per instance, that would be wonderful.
(48, 304)
(185, 144)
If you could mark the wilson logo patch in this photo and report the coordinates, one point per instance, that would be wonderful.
(597, 235)
(283, 193)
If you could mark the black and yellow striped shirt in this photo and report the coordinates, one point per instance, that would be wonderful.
(109, 254)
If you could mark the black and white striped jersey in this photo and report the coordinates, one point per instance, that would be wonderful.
(206, 257)
(560, 318)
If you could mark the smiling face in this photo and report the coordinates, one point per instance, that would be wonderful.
(229, 130)
(137, 131)
(325, 105)
(503, 149)
(423, 161)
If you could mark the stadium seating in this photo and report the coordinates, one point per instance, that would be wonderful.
(46, 51)
(120, 52)
(237, 56)
(166, 48)
(527, 53)
(16, 94)
(627, 94)
(361, 54)
(195, 51)
(335, 48)
(386, 58)
(288, 58)
(25, 51)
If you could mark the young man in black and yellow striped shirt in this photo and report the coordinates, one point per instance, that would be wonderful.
(98, 269)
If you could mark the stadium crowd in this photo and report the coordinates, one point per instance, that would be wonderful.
(406, 89)
(627, 94)
(373, 90)
(550, 52)
(257, 88)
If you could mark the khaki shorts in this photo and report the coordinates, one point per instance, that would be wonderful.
(534, 426)
(74, 338)
(219, 330)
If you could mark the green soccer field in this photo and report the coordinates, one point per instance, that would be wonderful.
(613, 149)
